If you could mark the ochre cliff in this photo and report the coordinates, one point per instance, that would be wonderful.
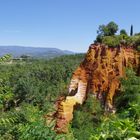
(100, 74)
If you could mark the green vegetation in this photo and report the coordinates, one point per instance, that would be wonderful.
(28, 92)
(111, 41)
(107, 36)
(123, 32)
(116, 40)
(108, 30)
(131, 30)
(5, 58)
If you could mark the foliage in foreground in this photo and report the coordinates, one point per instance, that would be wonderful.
(125, 124)
(27, 92)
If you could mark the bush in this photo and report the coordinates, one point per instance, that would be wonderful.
(138, 48)
(136, 40)
(130, 91)
(111, 41)
(86, 118)
(114, 41)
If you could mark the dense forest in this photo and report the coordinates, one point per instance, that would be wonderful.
(29, 89)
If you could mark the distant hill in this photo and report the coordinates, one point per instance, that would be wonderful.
(17, 51)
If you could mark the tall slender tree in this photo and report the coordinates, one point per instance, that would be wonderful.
(131, 30)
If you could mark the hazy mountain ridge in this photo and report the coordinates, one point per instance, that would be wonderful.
(17, 51)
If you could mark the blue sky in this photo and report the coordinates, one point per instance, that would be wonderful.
(65, 24)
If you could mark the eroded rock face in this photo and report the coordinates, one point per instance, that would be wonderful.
(100, 74)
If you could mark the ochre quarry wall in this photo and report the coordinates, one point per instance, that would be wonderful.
(100, 74)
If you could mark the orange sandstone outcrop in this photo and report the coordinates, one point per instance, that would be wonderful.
(100, 74)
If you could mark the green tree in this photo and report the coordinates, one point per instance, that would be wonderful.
(123, 32)
(131, 30)
(108, 30)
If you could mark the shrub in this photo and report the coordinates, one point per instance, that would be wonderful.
(111, 41)
(136, 40)
(138, 48)
(86, 118)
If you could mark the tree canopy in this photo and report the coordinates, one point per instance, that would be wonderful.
(123, 32)
(107, 30)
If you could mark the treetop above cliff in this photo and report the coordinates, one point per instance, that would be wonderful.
(107, 35)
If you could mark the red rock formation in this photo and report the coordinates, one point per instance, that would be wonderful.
(99, 73)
